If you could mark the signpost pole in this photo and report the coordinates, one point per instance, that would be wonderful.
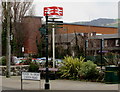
(21, 82)
(50, 11)
(47, 70)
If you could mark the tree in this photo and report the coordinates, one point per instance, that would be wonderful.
(18, 11)
(0, 30)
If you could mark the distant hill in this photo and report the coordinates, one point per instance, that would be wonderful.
(101, 22)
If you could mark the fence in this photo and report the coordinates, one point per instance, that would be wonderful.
(111, 59)
(15, 70)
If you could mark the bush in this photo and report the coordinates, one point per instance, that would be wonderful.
(75, 68)
(3, 61)
(70, 67)
(111, 58)
(88, 70)
(33, 67)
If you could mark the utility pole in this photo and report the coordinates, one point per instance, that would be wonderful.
(8, 53)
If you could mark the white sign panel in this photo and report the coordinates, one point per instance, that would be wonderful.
(30, 76)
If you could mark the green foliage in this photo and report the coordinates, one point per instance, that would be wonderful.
(27, 61)
(88, 70)
(78, 51)
(3, 61)
(60, 52)
(76, 68)
(70, 67)
(33, 67)
(111, 58)
(41, 48)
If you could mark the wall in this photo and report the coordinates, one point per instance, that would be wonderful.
(71, 28)
(31, 27)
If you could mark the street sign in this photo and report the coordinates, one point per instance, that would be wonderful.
(53, 11)
(30, 76)
(55, 21)
(42, 30)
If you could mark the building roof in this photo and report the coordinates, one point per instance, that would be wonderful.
(88, 25)
(105, 36)
(33, 16)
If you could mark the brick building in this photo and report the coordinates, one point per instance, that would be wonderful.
(91, 30)
(111, 43)
(94, 34)
(67, 34)
(31, 25)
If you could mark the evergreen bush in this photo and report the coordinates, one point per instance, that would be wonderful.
(76, 68)
(33, 67)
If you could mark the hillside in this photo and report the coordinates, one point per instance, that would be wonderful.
(101, 22)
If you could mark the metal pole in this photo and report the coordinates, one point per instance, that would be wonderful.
(86, 46)
(101, 48)
(47, 70)
(8, 53)
(53, 34)
(21, 82)
(85, 50)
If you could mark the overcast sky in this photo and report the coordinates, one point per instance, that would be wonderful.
(80, 10)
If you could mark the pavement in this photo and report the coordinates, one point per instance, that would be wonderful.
(14, 83)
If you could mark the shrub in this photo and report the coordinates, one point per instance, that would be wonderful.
(75, 68)
(70, 67)
(88, 70)
(3, 61)
(33, 67)
(111, 58)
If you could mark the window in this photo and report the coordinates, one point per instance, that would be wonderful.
(106, 43)
(116, 42)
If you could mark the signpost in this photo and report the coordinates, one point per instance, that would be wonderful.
(51, 13)
(29, 76)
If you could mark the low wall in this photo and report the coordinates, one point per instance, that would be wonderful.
(15, 70)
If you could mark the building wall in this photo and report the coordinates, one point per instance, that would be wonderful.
(71, 28)
(91, 31)
(110, 45)
(31, 27)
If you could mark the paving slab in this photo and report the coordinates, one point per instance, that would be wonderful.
(14, 83)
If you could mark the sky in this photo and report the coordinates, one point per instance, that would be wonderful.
(80, 10)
